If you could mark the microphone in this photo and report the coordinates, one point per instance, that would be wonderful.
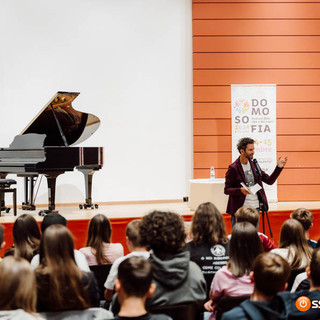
(257, 167)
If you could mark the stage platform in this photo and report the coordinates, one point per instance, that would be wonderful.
(122, 213)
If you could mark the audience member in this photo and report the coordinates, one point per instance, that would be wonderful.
(233, 279)
(306, 301)
(301, 281)
(60, 283)
(54, 218)
(18, 289)
(133, 286)
(99, 249)
(270, 273)
(178, 279)
(305, 217)
(293, 245)
(26, 237)
(252, 215)
(209, 247)
(133, 241)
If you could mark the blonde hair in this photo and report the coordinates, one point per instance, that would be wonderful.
(133, 232)
(18, 286)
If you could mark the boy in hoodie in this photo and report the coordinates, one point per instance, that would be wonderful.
(270, 274)
(177, 279)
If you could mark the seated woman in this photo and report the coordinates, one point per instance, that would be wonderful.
(18, 289)
(293, 245)
(99, 249)
(26, 237)
(209, 247)
(61, 285)
(233, 279)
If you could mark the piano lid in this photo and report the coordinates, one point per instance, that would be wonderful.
(63, 125)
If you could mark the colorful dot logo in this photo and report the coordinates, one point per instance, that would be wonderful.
(303, 303)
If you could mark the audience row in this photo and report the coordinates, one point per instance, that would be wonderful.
(210, 267)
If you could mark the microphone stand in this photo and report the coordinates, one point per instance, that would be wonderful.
(262, 204)
(264, 212)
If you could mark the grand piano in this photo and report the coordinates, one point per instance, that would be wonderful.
(46, 146)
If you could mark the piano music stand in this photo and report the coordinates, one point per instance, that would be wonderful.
(5, 186)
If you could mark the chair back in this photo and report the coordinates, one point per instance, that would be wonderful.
(227, 303)
(91, 313)
(292, 277)
(101, 272)
(183, 311)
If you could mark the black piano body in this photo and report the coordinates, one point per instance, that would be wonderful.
(44, 147)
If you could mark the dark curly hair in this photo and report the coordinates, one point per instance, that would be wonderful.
(243, 142)
(163, 232)
(208, 225)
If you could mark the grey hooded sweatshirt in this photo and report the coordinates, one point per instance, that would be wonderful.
(178, 280)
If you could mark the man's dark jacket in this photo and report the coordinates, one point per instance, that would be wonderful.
(235, 175)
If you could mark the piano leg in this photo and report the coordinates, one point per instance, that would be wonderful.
(29, 182)
(51, 179)
(88, 175)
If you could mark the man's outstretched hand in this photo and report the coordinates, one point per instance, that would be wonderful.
(282, 162)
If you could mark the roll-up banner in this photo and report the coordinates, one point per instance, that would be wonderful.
(253, 115)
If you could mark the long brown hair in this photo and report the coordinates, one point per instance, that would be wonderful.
(292, 237)
(245, 246)
(208, 225)
(18, 286)
(99, 232)
(26, 236)
(58, 277)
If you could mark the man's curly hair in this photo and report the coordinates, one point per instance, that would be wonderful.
(243, 142)
(163, 232)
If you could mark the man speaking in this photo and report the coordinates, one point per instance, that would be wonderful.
(244, 175)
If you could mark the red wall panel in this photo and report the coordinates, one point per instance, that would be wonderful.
(252, 42)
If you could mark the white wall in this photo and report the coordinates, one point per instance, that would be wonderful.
(131, 60)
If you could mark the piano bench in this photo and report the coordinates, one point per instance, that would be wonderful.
(5, 186)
